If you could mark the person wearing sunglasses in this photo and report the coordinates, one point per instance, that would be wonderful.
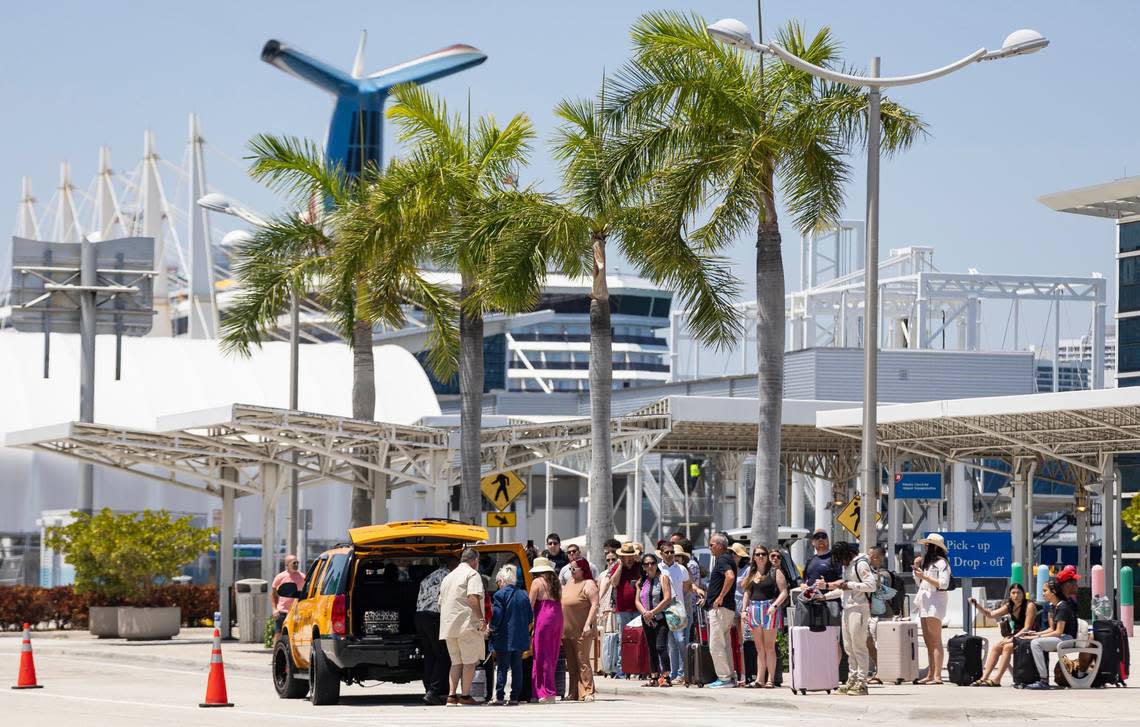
(654, 594)
(765, 593)
(555, 553)
(281, 604)
(573, 552)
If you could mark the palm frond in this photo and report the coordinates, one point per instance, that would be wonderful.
(297, 169)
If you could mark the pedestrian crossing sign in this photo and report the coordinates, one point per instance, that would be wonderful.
(851, 516)
(502, 488)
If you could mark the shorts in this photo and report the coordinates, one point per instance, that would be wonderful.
(278, 619)
(467, 648)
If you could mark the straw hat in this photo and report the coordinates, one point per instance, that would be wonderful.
(740, 550)
(679, 551)
(627, 550)
(936, 540)
(542, 565)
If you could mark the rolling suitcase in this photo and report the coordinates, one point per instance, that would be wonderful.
(699, 669)
(814, 657)
(634, 652)
(1023, 669)
(965, 655)
(1114, 657)
(897, 646)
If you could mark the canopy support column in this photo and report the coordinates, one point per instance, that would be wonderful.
(796, 516)
(1017, 517)
(894, 517)
(962, 502)
(1109, 517)
(269, 476)
(822, 505)
(634, 505)
(226, 554)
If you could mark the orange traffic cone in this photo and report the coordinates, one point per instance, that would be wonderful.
(27, 678)
(216, 685)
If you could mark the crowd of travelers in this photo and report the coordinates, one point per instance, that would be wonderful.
(657, 616)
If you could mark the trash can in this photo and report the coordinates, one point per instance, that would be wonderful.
(252, 609)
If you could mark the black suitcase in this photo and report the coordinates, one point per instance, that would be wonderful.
(699, 669)
(1114, 657)
(1023, 669)
(964, 659)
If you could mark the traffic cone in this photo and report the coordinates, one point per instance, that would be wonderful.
(27, 678)
(216, 685)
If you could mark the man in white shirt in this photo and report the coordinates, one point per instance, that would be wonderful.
(461, 624)
(681, 588)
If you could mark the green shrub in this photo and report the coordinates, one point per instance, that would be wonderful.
(123, 559)
(268, 635)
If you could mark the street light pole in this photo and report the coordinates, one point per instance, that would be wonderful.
(1020, 42)
(869, 474)
(215, 202)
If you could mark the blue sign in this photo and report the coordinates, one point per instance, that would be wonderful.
(979, 554)
(918, 486)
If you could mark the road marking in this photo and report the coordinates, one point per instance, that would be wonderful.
(67, 656)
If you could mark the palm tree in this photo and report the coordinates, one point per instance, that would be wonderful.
(539, 232)
(300, 253)
(721, 133)
(450, 169)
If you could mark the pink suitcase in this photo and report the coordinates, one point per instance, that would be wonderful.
(814, 657)
(897, 645)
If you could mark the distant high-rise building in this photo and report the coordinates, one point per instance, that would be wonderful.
(1080, 350)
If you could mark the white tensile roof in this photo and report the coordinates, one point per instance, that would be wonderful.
(168, 376)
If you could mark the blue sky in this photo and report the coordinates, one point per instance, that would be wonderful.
(81, 74)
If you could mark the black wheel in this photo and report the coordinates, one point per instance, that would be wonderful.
(324, 681)
(285, 681)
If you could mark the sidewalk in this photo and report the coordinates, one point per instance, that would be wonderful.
(891, 703)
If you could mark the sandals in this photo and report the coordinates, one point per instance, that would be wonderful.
(769, 685)
(754, 685)
(875, 680)
(650, 683)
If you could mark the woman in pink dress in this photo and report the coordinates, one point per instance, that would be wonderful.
(546, 601)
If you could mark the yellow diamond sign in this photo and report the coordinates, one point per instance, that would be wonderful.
(851, 516)
(502, 488)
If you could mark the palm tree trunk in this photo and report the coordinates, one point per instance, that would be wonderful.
(471, 406)
(601, 506)
(363, 407)
(770, 360)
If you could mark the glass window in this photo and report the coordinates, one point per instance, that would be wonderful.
(1129, 285)
(1129, 236)
(312, 576)
(333, 582)
(1128, 345)
(661, 307)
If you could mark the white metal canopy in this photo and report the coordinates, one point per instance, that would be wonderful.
(1115, 200)
(1079, 428)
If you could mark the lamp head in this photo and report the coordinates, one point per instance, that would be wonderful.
(1019, 43)
(731, 31)
(215, 202)
(234, 238)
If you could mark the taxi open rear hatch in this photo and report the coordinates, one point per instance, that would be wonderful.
(417, 532)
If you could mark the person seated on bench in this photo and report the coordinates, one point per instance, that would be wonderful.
(1018, 615)
(1063, 618)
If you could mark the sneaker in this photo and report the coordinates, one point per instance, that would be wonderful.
(858, 689)
(1038, 685)
(722, 684)
(465, 700)
(846, 687)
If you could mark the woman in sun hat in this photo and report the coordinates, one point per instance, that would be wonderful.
(546, 601)
(933, 578)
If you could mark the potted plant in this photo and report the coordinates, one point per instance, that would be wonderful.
(121, 559)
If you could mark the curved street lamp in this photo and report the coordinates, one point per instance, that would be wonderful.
(736, 33)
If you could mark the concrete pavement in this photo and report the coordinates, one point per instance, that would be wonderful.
(114, 682)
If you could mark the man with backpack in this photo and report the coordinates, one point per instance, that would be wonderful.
(854, 590)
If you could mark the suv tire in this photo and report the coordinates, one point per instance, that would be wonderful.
(324, 679)
(285, 679)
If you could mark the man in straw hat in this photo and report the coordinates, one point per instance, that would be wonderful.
(620, 589)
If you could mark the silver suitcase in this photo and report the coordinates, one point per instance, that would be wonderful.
(897, 646)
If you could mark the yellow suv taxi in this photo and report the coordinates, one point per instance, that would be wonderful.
(354, 618)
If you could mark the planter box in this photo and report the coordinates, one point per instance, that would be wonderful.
(103, 621)
(149, 624)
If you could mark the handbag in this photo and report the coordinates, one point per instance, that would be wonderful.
(675, 617)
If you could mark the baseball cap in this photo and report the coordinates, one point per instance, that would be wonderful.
(818, 534)
(1068, 573)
